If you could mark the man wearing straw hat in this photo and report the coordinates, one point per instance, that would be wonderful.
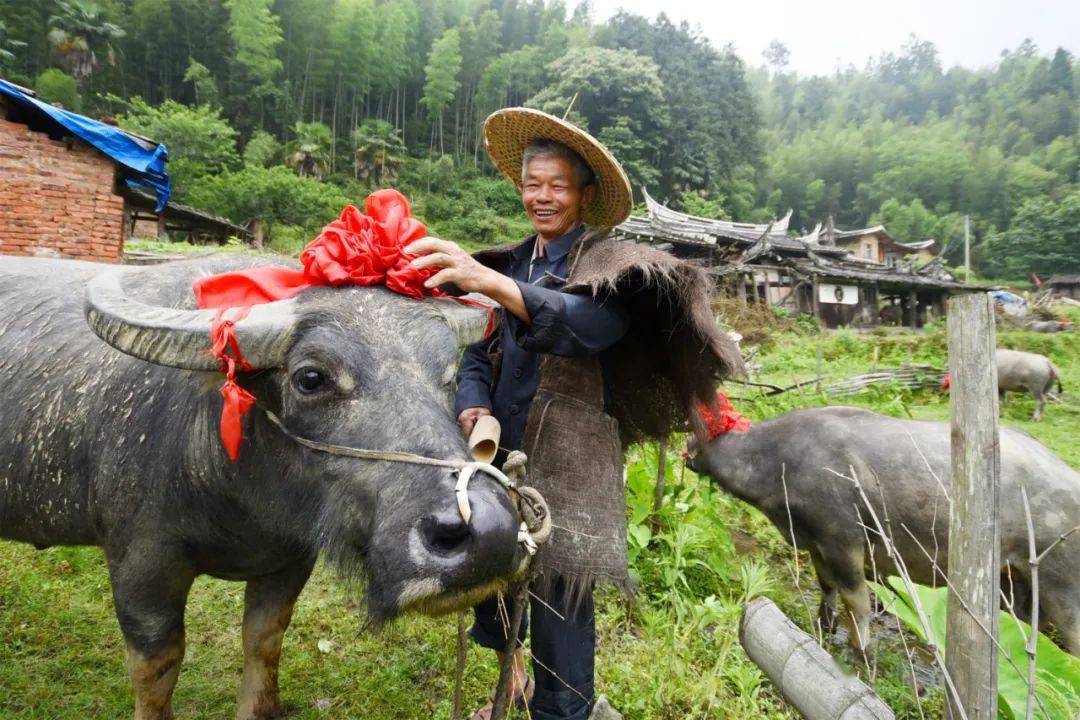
(601, 343)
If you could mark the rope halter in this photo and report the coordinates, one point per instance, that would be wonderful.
(535, 528)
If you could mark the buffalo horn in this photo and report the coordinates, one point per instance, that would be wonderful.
(181, 338)
(468, 321)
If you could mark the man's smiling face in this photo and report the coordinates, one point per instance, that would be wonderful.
(552, 196)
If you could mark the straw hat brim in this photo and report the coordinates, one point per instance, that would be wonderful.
(507, 132)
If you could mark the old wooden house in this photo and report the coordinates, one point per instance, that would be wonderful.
(767, 264)
(1064, 285)
(876, 244)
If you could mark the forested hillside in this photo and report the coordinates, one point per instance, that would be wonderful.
(285, 110)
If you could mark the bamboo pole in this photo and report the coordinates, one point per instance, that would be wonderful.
(974, 533)
(806, 675)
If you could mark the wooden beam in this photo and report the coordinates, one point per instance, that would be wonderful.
(816, 304)
(974, 536)
(913, 309)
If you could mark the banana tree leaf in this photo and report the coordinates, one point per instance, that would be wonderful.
(1057, 673)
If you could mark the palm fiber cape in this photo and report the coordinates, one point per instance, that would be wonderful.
(669, 361)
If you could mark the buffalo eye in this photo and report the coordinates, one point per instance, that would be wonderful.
(309, 380)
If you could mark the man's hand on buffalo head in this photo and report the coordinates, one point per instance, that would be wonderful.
(461, 269)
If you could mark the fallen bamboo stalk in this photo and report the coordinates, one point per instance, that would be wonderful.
(806, 675)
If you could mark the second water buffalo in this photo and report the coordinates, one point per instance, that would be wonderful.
(1029, 373)
(800, 469)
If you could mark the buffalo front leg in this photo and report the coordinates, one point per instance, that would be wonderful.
(268, 609)
(843, 567)
(150, 588)
(827, 607)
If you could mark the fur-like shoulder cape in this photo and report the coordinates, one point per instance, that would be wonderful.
(673, 354)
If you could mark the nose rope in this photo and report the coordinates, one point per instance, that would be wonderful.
(535, 526)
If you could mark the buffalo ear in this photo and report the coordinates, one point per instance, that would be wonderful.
(470, 317)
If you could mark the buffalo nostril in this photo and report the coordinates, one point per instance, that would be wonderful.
(445, 533)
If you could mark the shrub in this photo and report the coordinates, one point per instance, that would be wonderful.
(274, 195)
(57, 87)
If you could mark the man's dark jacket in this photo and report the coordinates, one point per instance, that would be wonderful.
(561, 324)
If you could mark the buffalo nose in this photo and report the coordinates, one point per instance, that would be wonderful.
(445, 532)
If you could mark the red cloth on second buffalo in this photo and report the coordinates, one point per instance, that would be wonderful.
(726, 420)
(356, 249)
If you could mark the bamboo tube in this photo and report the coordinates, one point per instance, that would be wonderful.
(484, 439)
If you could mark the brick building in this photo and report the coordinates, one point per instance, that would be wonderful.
(73, 187)
(58, 198)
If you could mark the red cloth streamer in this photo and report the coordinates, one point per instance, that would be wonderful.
(946, 383)
(356, 249)
(237, 400)
(726, 420)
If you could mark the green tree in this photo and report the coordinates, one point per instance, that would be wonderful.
(511, 78)
(262, 150)
(1060, 74)
(1044, 237)
(56, 86)
(441, 81)
(256, 35)
(714, 120)
(206, 89)
(8, 46)
(76, 32)
(377, 152)
(310, 152)
(618, 97)
(621, 139)
(201, 142)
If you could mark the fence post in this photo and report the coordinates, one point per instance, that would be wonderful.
(974, 543)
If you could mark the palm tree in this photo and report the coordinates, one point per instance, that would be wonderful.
(75, 31)
(311, 156)
(377, 151)
(7, 46)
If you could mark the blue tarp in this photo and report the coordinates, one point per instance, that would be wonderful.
(1007, 297)
(144, 163)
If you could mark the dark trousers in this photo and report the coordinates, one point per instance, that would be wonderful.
(562, 649)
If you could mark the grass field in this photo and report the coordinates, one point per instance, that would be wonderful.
(671, 654)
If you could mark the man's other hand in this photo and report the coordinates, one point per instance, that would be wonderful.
(458, 267)
(468, 417)
(461, 269)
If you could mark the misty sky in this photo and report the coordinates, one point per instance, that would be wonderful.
(823, 34)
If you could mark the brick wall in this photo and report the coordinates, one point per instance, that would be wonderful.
(57, 201)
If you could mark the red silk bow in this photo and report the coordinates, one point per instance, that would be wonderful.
(357, 248)
(726, 420)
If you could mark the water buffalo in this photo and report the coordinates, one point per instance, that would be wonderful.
(1048, 326)
(113, 441)
(903, 467)
(1027, 372)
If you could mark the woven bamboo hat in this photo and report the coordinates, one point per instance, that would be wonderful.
(507, 132)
